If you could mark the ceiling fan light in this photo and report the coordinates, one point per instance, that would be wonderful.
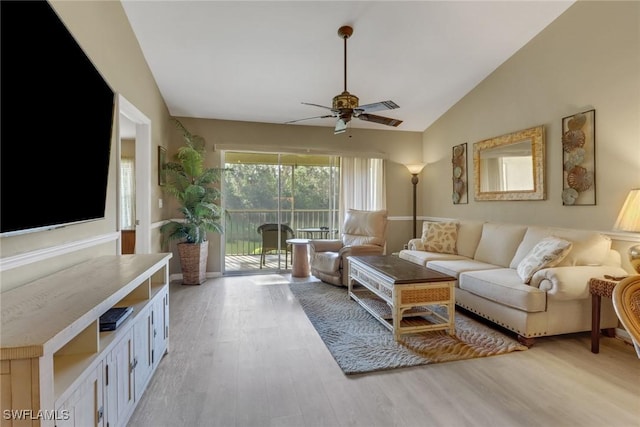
(341, 126)
(345, 100)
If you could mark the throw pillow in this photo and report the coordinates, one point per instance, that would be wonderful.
(425, 230)
(548, 252)
(442, 237)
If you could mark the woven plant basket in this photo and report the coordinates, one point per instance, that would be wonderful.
(193, 261)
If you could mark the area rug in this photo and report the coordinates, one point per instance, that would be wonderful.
(359, 343)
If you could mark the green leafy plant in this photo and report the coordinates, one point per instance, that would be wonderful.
(194, 187)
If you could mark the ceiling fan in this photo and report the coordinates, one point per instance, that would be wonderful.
(345, 105)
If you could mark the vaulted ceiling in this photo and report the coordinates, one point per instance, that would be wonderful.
(259, 60)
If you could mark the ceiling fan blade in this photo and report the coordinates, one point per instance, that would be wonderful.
(379, 119)
(321, 106)
(379, 106)
(310, 118)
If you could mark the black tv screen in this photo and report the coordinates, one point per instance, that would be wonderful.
(55, 125)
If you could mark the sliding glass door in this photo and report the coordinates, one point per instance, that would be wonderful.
(270, 197)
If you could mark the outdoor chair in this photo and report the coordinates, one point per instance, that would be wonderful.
(363, 233)
(270, 233)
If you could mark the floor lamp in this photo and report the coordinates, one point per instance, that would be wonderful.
(414, 169)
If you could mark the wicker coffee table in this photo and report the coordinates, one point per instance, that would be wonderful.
(401, 294)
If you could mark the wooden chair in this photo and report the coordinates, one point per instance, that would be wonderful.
(270, 233)
(626, 302)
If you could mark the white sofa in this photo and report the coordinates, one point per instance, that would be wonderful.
(485, 259)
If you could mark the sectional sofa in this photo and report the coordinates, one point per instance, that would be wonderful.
(532, 280)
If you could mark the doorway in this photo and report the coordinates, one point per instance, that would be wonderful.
(127, 176)
(134, 126)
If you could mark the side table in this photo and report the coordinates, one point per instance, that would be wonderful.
(300, 264)
(598, 288)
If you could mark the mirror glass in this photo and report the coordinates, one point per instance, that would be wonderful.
(510, 167)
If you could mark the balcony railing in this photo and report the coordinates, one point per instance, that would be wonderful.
(241, 226)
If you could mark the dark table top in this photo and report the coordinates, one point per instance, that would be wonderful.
(401, 271)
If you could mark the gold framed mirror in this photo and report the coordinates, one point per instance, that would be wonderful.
(511, 166)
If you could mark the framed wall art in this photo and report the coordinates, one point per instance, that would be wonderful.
(579, 159)
(162, 161)
(459, 174)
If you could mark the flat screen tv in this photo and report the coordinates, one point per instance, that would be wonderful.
(56, 119)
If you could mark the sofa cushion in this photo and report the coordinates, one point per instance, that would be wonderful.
(441, 237)
(469, 233)
(453, 267)
(532, 236)
(422, 257)
(589, 247)
(504, 286)
(548, 252)
(499, 243)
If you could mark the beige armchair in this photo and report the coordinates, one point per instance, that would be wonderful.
(363, 233)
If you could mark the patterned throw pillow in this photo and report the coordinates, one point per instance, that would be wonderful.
(548, 252)
(442, 237)
(425, 230)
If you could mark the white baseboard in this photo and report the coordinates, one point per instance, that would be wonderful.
(178, 276)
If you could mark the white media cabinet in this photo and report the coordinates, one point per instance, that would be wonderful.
(57, 368)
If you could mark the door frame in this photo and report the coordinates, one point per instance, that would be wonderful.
(257, 151)
(142, 170)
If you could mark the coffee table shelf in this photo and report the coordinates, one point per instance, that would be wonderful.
(402, 295)
(422, 318)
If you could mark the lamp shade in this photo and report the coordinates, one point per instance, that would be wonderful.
(629, 217)
(415, 168)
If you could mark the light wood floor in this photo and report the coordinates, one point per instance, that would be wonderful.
(250, 264)
(243, 353)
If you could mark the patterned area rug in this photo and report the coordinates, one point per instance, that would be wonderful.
(359, 343)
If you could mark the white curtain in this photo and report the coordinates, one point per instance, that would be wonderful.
(127, 194)
(362, 184)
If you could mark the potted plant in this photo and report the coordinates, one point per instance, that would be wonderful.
(194, 187)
